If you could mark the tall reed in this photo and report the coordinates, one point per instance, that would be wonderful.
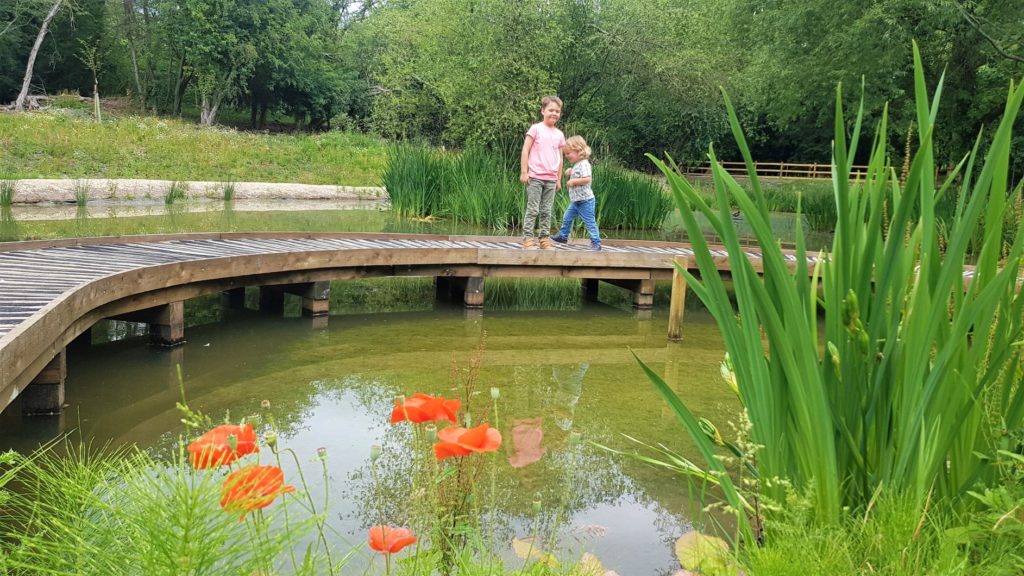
(918, 376)
(413, 176)
(629, 200)
(480, 188)
(7, 187)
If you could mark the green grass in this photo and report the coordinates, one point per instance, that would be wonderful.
(62, 144)
(910, 396)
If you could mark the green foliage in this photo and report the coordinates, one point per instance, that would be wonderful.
(892, 537)
(894, 402)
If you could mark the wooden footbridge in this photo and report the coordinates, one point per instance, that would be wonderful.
(51, 292)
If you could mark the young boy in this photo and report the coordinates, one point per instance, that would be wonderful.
(540, 168)
(582, 203)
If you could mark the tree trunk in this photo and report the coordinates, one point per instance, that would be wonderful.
(179, 88)
(129, 21)
(19, 104)
(208, 112)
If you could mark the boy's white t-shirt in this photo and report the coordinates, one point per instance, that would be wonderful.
(581, 169)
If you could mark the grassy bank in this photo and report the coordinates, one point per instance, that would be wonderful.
(65, 143)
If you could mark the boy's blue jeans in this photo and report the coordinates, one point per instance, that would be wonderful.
(584, 210)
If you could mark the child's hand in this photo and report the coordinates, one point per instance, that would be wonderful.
(568, 172)
(524, 178)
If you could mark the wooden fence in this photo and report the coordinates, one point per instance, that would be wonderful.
(780, 170)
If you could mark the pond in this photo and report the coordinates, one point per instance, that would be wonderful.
(566, 381)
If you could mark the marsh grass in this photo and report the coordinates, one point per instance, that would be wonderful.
(175, 192)
(228, 191)
(909, 397)
(48, 145)
(7, 189)
(413, 176)
(481, 188)
(628, 199)
(81, 192)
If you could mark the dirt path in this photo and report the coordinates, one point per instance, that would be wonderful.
(51, 190)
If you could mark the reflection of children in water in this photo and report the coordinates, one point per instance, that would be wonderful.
(528, 433)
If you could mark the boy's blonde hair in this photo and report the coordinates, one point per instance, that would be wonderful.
(548, 100)
(578, 144)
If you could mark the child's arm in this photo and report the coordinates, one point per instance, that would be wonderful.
(579, 181)
(558, 183)
(524, 158)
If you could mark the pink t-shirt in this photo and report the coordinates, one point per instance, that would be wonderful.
(546, 154)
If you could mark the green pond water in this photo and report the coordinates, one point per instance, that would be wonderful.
(564, 369)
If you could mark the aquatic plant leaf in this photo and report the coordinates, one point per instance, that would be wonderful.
(705, 554)
(527, 549)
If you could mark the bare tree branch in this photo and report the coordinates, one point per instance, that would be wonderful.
(973, 21)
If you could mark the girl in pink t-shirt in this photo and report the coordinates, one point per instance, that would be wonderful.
(540, 168)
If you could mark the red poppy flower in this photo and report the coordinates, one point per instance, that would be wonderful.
(217, 448)
(422, 408)
(455, 441)
(251, 488)
(388, 540)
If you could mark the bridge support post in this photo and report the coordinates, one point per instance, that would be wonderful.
(472, 290)
(315, 297)
(677, 304)
(468, 289)
(167, 328)
(589, 288)
(643, 295)
(45, 394)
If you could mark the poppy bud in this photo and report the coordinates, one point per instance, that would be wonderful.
(321, 453)
(233, 442)
(537, 505)
(271, 439)
(431, 432)
(374, 452)
(265, 404)
(495, 393)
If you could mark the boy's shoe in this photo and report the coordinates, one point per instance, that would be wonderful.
(529, 243)
(545, 243)
(560, 239)
(596, 247)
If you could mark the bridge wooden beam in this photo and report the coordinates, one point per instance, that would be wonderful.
(44, 396)
(166, 322)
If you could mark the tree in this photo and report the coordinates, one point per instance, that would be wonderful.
(19, 104)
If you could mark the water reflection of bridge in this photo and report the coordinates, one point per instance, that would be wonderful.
(52, 292)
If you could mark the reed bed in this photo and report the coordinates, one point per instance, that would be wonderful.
(481, 188)
(915, 393)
